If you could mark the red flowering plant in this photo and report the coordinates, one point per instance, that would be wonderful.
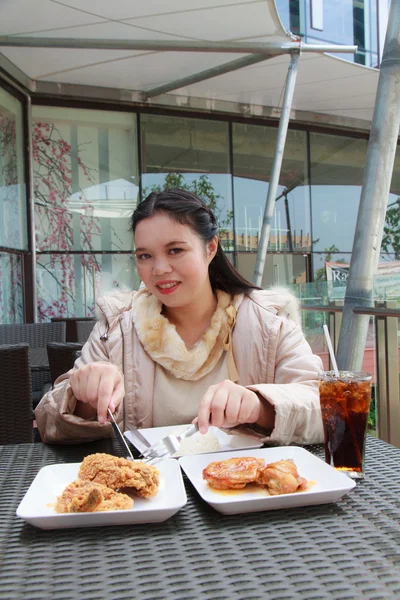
(53, 159)
(10, 235)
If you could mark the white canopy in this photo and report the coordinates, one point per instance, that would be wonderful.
(326, 85)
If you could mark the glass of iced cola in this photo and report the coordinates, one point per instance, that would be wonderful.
(345, 402)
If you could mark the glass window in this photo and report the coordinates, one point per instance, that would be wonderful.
(332, 268)
(68, 285)
(86, 188)
(11, 291)
(253, 153)
(280, 269)
(338, 21)
(345, 22)
(13, 222)
(284, 12)
(386, 282)
(337, 168)
(369, 19)
(390, 247)
(85, 179)
(291, 13)
(191, 154)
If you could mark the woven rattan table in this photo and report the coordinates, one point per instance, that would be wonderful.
(349, 549)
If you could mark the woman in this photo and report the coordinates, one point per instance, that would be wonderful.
(197, 340)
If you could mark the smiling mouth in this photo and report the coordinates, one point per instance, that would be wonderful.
(167, 288)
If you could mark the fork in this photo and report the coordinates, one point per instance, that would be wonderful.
(169, 445)
(127, 451)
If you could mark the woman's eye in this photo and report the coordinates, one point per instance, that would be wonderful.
(142, 256)
(175, 251)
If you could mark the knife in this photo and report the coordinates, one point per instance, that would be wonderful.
(137, 439)
(120, 437)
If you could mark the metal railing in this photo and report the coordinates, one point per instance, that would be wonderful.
(386, 333)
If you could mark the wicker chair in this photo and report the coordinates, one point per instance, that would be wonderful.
(16, 417)
(61, 357)
(83, 330)
(37, 335)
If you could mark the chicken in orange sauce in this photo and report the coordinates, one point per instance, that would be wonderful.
(234, 473)
(281, 477)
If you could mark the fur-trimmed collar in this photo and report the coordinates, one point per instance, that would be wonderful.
(277, 299)
(165, 346)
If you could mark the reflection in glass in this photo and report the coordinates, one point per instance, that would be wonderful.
(11, 290)
(344, 22)
(85, 179)
(323, 261)
(337, 167)
(13, 226)
(390, 246)
(334, 269)
(280, 269)
(86, 188)
(192, 154)
(253, 153)
(68, 285)
(386, 282)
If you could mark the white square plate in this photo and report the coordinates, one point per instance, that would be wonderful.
(37, 506)
(326, 484)
(228, 442)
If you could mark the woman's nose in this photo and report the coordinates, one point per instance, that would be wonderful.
(161, 266)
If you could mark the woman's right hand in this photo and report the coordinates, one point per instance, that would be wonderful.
(99, 385)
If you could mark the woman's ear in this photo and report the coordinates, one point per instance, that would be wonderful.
(212, 248)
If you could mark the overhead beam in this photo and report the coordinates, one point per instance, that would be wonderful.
(170, 45)
(228, 67)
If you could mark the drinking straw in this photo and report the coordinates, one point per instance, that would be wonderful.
(331, 352)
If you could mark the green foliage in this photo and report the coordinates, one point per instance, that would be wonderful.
(202, 187)
(371, 422)
(391, 231)
(320, 274)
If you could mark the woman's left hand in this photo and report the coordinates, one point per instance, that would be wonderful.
(227, 404)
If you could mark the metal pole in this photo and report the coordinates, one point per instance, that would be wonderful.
(276, 169)
(287, 211)
(171, 46)
(234, 65)
(374, 196)
(31, 200)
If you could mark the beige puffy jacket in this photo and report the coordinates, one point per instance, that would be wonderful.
(270, 351)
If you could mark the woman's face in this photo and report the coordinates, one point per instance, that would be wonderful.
(172, 260)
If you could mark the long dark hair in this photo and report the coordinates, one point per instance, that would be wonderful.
(188, 209)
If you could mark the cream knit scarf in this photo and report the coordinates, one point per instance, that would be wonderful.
(165, 346)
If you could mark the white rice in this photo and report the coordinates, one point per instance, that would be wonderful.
(199, 443)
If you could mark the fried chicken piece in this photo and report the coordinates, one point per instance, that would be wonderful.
(281, 477)
(84, 496)
(79, 496)
(116, 473)
(233, 473)
(113, 500)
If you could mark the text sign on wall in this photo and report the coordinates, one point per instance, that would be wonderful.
(337, 272)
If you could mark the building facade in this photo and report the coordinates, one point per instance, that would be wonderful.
(359, 22)
(67, 196)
